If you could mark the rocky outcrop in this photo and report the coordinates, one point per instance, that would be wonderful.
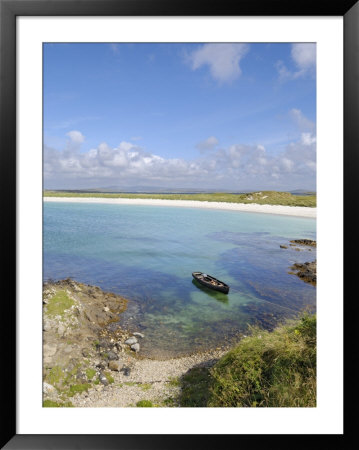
(300, 244)
(80, 349)
(306, 271)
(308, 242)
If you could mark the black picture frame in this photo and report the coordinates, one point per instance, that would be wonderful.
(9, 10)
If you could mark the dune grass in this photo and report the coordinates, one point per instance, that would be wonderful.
(262, 198)
(266, 369)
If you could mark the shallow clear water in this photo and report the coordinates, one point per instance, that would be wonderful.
(147, 254)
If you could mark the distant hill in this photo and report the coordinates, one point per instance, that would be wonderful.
(168, 190)
(302, 192)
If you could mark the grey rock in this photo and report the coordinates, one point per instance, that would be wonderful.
(138, 334)
(111, 356)
(46, 326)
(50, 350)
(100, 365)
(135, 347)
(61, 329)
(103, 379)
(131, 340)
(126, 371)
(103, 343)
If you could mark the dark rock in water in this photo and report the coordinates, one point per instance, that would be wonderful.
(309, 242)
(283, 246)
(307, 271)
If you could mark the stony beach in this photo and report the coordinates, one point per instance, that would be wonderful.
(87, 365)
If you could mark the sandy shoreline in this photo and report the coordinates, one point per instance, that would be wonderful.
(298, 211)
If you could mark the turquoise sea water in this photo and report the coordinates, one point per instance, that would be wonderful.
(147, 254)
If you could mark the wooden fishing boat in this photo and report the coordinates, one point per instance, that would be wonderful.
(210, 282)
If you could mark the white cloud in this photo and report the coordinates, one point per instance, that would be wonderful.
(207, 144)
(223, 60)
(283, 72)
(238, 166)
(287, 164)
(308, 139)
(301, 121)
(304, 57)
(76, 137)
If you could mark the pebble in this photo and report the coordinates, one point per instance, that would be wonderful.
(131, 340)
(135, 347)
(47, 388)
(138, 334)
(103, 379)
(128, 388)
(112, 356)
(126, 371)
(47, 326)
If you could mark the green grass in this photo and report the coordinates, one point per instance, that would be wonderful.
(174, 381)
(78, 389)
(52, 404)
(58, 304)
(109, 377)
(144, 404)
(169, 402)
(55, 376)
(195, 388)
(263, 197)
(266, 369)
(90, 373)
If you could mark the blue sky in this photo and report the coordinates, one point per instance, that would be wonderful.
(205, 116)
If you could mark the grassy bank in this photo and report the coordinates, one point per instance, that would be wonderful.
(262, 198)
(268, 369)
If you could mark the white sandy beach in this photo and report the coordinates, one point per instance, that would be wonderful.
(298, 211)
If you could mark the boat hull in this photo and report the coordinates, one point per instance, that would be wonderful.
(211, 282)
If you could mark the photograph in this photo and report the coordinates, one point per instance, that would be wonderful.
(179, 230)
